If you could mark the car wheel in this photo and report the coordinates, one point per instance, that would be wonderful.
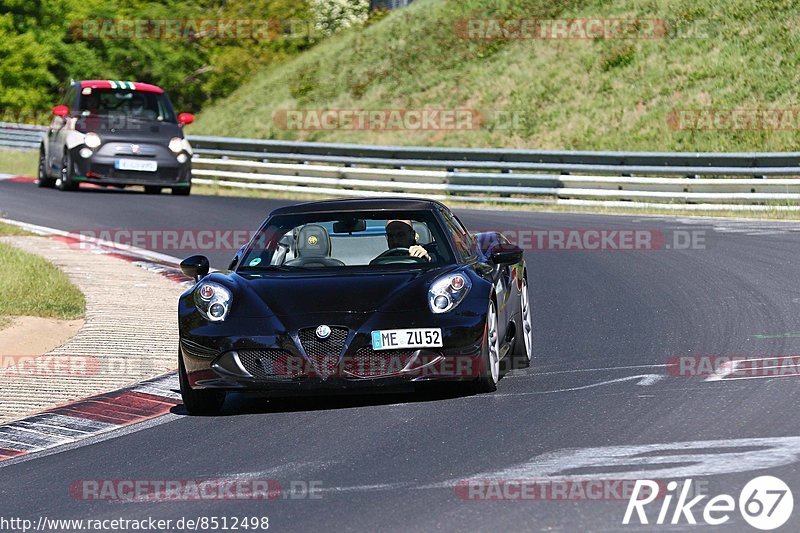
(490, 374)
(152, 189)
(65, 181)
(523, 340)
(198, 402)
(43, 179)
(182, 191)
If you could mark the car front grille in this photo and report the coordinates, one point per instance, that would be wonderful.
(271, 363)
(368, 363)
(324, 353)
(162, 174)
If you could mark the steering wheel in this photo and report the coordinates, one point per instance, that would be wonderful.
(397, 255)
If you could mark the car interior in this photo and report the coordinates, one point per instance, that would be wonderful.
(354, 242)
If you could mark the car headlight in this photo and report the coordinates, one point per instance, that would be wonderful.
(447, 292)
(176, 144)
(92, 140)
(213, 301)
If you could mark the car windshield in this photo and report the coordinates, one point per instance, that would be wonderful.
(397, 239)
(128, 104)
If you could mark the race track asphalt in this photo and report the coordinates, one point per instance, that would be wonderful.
(606, 323)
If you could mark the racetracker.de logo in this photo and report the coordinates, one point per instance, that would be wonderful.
(192, 29)
(31, 366)
(177, 490)
(560, 28)
(546, 489)
(597, 239)
(718, 367)
(377, 119)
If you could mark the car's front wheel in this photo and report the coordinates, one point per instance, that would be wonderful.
(490, 374)
(66, 181)
(200, 401)
(522, 351)
(43, 179)
(182, 191)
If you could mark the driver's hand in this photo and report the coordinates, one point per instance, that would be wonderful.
(419, 251)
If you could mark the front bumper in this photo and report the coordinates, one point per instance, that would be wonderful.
(100, 167)
(227, 356)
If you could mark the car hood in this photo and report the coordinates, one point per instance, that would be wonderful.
(286, 295)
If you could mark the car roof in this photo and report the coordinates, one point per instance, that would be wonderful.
(360, 204)
(114, 84)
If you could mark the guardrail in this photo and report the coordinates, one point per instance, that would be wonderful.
(709, 181)
(21, 136)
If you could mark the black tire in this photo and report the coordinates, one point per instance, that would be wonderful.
(520, 352)
(43, 179)
(487, 381)
(152, 189)
(65, 181)
(198, 402)
(182, 191)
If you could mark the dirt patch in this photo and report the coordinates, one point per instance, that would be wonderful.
(28, 335)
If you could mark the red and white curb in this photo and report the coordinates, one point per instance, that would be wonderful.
(12, 177)
(89, 417)
(102, 413)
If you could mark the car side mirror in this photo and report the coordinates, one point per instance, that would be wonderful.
(505, 254)
(185, 118)
(195, 267)
(61, 111)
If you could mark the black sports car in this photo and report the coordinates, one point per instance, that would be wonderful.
(338, 295)
(116, 133)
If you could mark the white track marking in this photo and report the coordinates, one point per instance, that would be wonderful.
(644, 381)
(517, 374)
(679, 460)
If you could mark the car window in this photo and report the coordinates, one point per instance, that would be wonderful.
(141, 105)
(461, 238)
(350, 240)
(69, 98)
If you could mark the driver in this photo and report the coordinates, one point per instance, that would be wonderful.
(401, 234)
(137, 105)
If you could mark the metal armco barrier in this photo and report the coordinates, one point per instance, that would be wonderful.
(20, 136)
(710, 181)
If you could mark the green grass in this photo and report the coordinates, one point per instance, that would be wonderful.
(35, 287)
(563, 94)
(18, 162)
(7, 230)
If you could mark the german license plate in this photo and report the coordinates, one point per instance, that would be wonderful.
(142, 165)
(394, 339)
